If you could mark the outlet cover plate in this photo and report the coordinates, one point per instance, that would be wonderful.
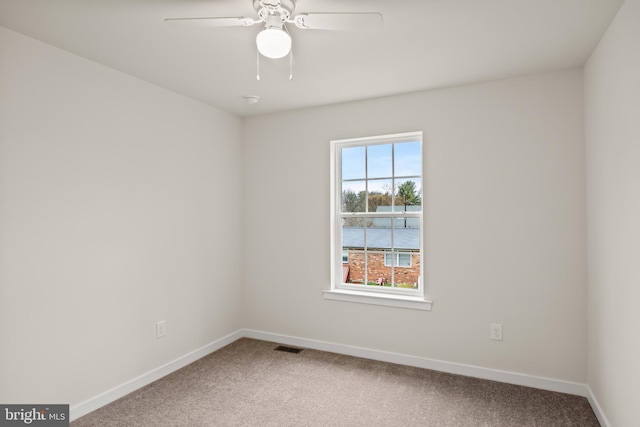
(496, 331)
(161, 328)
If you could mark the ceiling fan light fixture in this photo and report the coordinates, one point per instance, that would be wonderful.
(273, 42)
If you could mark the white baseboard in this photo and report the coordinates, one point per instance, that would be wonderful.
(421, 362)
(83, 408)
(604, 422)
(89, 405)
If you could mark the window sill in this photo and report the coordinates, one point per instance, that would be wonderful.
(415, 303)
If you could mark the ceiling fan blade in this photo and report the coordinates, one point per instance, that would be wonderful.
(338, 21)
(240, 21)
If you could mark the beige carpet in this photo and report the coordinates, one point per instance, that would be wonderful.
(248, 383)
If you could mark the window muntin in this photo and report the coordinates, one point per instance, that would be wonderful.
(377, 214)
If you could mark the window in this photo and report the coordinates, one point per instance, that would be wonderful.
(398, 259)
(377, 217)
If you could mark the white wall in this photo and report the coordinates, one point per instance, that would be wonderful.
(505, 225)
(612, 115)
(114, 214)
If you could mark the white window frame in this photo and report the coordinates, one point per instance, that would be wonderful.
(388, 296)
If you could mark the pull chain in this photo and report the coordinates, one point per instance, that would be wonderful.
(291, 64)
(257, 65)
(291, 61)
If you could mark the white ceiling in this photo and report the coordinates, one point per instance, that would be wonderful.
(423, 44)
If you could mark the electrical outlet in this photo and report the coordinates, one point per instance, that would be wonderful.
(496, 331)
(161, 328)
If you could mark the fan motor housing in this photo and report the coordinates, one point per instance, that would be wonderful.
(288, 5)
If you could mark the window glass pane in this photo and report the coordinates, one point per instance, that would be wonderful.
(377, 273)
(379, 163)
(408, 195)
(380, 193)
(406, 239)
(353, 271)
(407, 158)
(380, 222)
(352, 238)
(378, 238)
(353, 163)
(406, 270)
(353, 196)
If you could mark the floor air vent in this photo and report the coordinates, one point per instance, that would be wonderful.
(288, 349)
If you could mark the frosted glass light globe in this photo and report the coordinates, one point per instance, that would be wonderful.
(273, 43)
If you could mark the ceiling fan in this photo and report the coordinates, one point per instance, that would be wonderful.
(274, 41)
